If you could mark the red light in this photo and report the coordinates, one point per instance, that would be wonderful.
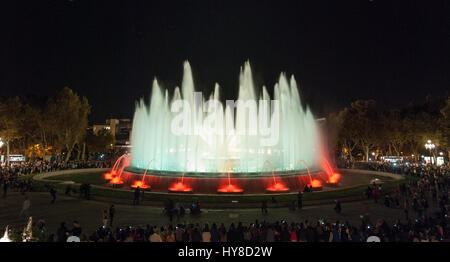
(180, 187)
(140, 184)
(316, 183)
(334, 178)
(108, 176)
(278, 187)
(230, 188)
(116, 181)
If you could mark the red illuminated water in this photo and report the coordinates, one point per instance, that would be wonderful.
(276, 187)
(180, 187)
(315, 183)
(307, 169)
(333, 176)
(230, 188)
(140, 184)
(116, 181)
(114, 176)
(334, 179)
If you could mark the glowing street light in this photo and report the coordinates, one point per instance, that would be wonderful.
(1, 143)
(430, 146)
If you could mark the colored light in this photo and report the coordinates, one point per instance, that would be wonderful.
(230, 188)
(116, 181)
(108, 176)
(334, 178)
(316, 183)
(180, 187)
(278, 187)
(140, 184)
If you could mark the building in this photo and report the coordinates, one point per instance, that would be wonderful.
(119, 128)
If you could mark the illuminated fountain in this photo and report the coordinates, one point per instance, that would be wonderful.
(198, 145)
(276, 186)
(141, 183)
(229, 188)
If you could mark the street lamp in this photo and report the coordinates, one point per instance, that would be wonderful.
(430, 146)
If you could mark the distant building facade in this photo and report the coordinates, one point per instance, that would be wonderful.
(119, 128)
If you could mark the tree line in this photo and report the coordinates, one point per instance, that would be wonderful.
(57, 124)
(365, 127)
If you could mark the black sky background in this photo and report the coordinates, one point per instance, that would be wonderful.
(395, 52)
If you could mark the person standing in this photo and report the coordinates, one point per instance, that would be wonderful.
(105, 218)
(5, 187)
(53, 194)
(155, 237)
(300, 200)
(206, 234)
(264, 207)
(112, 212)
(137, 194)
(337, 207)
(25, 207)
(62, 233)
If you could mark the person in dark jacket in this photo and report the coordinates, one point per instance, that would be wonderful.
(62, 232)
(112, 212)
(215, 236)
(300, 200)
(53, 194)
(337, 207)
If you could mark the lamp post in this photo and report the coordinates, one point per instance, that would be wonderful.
(430, 146)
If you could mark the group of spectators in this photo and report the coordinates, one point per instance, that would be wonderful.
(9, 175)
(421, 226)
(434, 229)
(430, 185)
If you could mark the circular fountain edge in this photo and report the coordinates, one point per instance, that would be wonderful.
(213, 175)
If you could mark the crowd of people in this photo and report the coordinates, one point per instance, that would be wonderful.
(420, 223)
(434, 229)
(9, 174)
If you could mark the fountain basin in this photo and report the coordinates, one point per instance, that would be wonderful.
(219, 183)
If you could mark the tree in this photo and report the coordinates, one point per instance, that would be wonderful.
(343, 122)
(70, 114)
(45, 125)
(364, 123)
(445, 126)
(99, 141)
(27, 125)
(421, 125)
(9, 123)
(393, 132)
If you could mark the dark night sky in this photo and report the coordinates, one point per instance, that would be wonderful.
(109, 51)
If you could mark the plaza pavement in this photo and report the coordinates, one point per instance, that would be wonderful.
(89, 213)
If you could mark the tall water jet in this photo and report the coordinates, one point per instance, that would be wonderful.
(241, 132)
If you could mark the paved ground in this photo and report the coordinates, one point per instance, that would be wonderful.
(89, 213)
